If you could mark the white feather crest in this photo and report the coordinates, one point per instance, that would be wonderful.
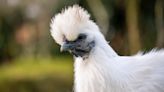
(68, 22)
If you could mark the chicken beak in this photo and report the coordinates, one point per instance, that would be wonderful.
(67, 47)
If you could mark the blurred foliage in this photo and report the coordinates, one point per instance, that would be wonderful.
(43, 75)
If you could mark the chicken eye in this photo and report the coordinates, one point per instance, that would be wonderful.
(81, 36)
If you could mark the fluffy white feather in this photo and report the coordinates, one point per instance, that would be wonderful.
(68, 23)
(104, 70)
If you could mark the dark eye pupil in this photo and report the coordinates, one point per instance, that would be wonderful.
(81, 36)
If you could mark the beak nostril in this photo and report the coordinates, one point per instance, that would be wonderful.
(67, 46)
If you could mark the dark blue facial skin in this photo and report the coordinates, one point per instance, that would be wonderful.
(80, 47)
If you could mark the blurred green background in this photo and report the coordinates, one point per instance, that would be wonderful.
(30, 60)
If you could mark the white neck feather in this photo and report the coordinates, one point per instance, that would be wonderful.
(99, 73)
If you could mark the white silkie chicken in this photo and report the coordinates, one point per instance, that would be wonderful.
(97, 67)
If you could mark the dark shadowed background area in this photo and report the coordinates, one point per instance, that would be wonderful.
(30, 60)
